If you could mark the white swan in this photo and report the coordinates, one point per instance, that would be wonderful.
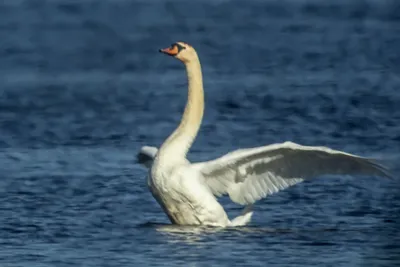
(187, 192)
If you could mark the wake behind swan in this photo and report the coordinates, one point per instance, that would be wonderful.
(188, 192)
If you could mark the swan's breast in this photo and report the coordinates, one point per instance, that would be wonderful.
(185, 198)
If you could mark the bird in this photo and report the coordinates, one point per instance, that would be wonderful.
(188, 192)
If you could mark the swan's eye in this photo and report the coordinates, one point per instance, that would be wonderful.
(180, 47)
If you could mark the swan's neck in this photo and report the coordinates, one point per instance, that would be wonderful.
(178, 143)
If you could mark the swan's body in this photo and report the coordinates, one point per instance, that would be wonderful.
(187, 192)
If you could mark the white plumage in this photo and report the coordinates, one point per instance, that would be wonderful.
(187, 192)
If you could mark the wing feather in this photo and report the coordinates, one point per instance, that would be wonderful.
(248, 175)
(146, 155)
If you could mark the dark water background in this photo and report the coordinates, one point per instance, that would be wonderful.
(83, 87)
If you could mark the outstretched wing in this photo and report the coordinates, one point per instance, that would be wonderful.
(248, 175)
(146, 155)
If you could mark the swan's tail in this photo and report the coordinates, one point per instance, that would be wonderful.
(244, 218)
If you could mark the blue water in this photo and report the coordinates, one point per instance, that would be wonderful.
(83, 87)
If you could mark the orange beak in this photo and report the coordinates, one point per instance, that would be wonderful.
(171, 51)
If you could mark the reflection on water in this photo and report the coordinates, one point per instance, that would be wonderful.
(196, 234)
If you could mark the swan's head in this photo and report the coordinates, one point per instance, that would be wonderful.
(182, 51)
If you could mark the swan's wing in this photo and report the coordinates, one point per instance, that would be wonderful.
(146, 155)
(248, 175)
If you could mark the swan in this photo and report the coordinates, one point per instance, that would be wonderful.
(188, 192)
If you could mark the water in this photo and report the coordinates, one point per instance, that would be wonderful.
(83, 88)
